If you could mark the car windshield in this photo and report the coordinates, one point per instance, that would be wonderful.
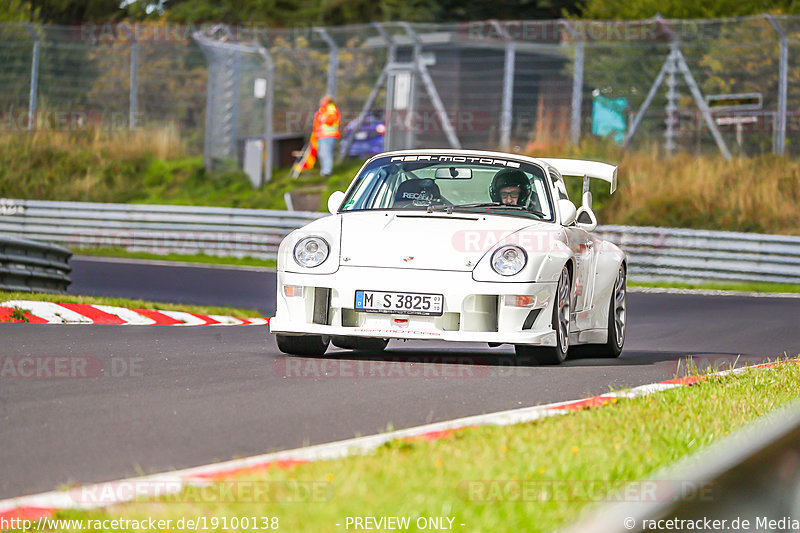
(451, 183)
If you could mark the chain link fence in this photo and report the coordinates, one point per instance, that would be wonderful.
(728, 86)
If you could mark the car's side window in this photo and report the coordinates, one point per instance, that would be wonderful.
(539, 200)
(558, 183)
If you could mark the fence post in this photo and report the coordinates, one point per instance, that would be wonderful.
(268, 104)
(783, 74)
(333, 60)
(671, 120)
(508, 88)
(234, 94)
(210, 92)
(577, 84)
(37, 44)
(577, 94)
(134, 83)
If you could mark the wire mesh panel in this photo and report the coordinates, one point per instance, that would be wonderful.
(238, 102)
(171, 87)
(724, 85)
(791, 27)
(16, 54)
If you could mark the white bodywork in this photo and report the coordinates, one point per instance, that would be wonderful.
(449, 254)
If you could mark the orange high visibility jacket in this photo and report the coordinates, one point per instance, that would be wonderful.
(327, 121)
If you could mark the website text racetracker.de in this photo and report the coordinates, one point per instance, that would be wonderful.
(759, 523)
(199, 523)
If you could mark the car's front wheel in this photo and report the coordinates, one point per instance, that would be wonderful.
(553, 355)
(360, 344)
(304, 345)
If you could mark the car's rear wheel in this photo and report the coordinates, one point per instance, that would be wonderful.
(553, 355)
(305, 345)
(616, 325)
(617, 318)
(360, 344)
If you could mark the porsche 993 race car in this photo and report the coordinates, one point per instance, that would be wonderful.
(455, 245)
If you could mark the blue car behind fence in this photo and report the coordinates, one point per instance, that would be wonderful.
(368, 140)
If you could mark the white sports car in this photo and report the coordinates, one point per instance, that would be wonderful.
(455, 245)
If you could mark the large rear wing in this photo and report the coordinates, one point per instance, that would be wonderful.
(585, 169)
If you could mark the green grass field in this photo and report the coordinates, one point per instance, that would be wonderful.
(145, 167)
(778, 288)
(177, 258)
(528, 477)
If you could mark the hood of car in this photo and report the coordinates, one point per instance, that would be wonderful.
(428, 241)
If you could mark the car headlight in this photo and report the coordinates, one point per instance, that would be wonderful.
(508, 260)
(311, 252)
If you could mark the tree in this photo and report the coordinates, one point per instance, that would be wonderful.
(466, 10)
(643, 9)
(66, 12)
(15, 11)
(282, 13)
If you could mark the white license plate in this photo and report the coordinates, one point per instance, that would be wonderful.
(361, 135)
(406, 303)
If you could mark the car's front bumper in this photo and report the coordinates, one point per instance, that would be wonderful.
(473, 311)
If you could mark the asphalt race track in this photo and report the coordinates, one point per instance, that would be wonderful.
(212, 285)
(173, 397)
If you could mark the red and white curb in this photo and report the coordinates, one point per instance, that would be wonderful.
(62, 313)
(37, 506)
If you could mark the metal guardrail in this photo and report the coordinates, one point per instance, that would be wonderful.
(686, 254)
(153, 228)
(33, 266)
(654, 253)
(749, 481)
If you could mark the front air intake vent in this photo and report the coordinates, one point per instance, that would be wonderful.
(322, 304)
(531, 318)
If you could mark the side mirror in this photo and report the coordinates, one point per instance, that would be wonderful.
(585, 218)
(335, 201)
(568, 212)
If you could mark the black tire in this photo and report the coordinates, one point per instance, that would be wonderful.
(304, 345)
(617, 309)
(360, 344)
(617, 318)
(553, 355)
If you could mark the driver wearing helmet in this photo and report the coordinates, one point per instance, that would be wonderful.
(510, 187)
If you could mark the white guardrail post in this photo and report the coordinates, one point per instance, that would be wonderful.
(654, 253)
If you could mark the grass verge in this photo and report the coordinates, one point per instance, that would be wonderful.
(132, 304)
(194, 258)
(722, 286)
(147, 166)
(527, 477)
(156, 166)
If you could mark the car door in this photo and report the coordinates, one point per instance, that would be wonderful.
(582, 245)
